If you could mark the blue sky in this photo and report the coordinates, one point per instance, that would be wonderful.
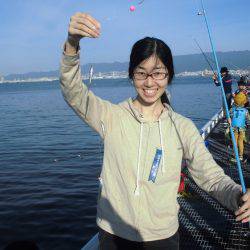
(33, 31)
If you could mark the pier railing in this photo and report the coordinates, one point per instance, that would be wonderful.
(208, 127)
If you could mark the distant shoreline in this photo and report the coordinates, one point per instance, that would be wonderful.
(124, 75)
(185, 65)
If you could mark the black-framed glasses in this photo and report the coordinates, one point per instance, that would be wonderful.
(139, 75)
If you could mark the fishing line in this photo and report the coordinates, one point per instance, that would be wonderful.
(206, 58)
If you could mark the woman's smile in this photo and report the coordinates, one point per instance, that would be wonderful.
(150, 92)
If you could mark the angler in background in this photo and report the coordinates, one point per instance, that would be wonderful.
(239, 117)
(227, 85)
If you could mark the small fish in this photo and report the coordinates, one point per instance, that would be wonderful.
(91, 72)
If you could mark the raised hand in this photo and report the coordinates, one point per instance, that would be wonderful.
(81, 25)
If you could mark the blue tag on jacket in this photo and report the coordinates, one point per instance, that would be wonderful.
(155, 165)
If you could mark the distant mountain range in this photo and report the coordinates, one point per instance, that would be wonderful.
(194, 62)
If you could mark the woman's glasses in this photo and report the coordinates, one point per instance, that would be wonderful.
(155, 75)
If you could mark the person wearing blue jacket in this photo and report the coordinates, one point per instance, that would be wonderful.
(239, 116)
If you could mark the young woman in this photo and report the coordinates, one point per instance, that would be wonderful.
(144, 143)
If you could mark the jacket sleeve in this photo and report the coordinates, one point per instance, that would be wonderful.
(206, 172)
(90, 108)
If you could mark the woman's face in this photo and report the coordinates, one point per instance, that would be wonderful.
(150, 80)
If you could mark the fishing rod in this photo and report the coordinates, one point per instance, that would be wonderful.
(203, 13)
(206, 58)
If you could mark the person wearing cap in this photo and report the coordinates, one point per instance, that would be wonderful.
(239, 116)
(242, 83)
(242, 88)
(227, 84)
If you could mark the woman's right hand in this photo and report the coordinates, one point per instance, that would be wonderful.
(82, 25)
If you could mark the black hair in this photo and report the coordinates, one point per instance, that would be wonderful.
(145, 48)
(224, 70)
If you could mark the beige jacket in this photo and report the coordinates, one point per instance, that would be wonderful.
(129, 205)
